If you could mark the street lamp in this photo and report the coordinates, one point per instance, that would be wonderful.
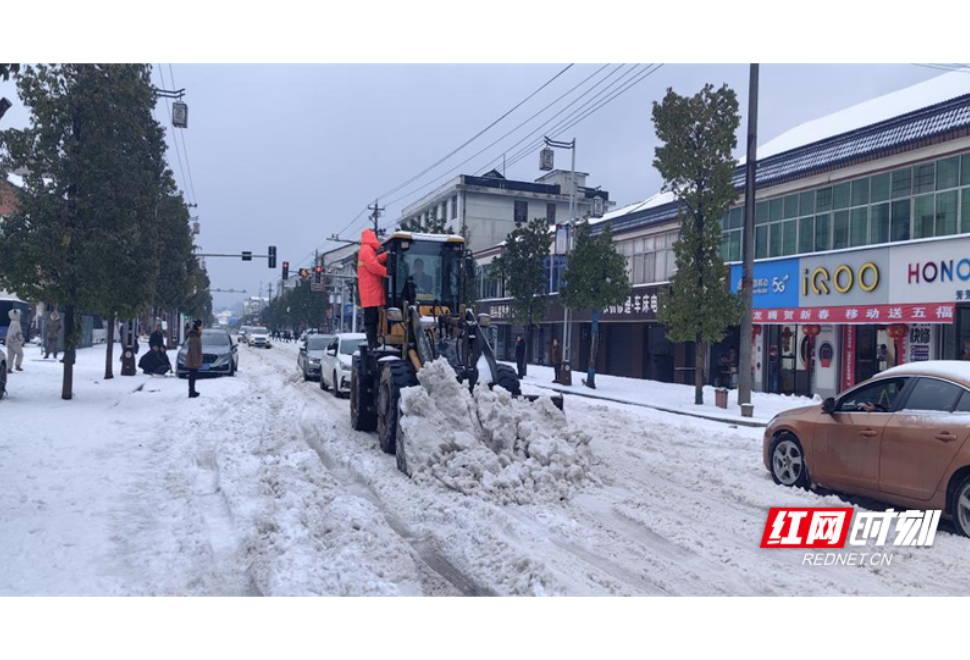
(546, 162)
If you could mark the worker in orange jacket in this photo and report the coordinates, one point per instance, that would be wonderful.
(370, 281)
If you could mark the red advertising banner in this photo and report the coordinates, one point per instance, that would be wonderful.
(848, 358)
(858, 314)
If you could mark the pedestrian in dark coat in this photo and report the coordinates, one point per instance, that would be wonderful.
(556, 356)
(52, 334)
(520, 355)
(193, 359)
(157, 339)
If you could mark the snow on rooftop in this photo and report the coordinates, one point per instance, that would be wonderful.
(15, 179)
(924, 94)
(658, 199)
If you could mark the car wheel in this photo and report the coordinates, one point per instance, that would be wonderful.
(3, 379)
(336, 385)
(960, 507)
(323, 381)
(788, 466)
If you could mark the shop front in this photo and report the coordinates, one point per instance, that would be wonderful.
(852, 314)
(632, 343)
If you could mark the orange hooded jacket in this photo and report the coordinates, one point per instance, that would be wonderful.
(370, 270)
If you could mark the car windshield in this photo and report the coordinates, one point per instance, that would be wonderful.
(214, 338)
(429, 272)
(260, 331)
(317, 343)
(349, 346)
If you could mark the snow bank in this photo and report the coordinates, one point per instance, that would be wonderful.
(487, 444)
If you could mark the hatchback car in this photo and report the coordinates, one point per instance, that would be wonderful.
(258, 337)
(900, 437)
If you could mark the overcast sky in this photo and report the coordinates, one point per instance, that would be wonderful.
(288, 155)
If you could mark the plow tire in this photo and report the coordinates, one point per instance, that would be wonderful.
(361, 416)
(395, 376)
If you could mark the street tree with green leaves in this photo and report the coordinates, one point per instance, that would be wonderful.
(698, 135)
(595, 278)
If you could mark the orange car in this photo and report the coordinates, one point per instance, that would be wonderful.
(900, 437)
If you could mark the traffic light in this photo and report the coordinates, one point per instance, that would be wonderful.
(286, 270)
(247, 255)
(272, 256)
(318, 274)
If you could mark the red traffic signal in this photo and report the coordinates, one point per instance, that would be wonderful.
(286, 270)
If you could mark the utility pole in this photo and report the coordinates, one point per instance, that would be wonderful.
(375, 215)
(745, 376)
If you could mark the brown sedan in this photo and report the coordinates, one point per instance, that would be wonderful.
(900, 437)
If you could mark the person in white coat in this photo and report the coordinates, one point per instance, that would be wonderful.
(15, 342)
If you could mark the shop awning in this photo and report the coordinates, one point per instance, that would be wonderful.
(857, 314)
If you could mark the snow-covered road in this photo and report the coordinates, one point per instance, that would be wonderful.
(261, 487)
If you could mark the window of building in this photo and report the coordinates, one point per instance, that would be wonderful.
(774, 239)
(823, 232)
(879, 223)
(923, 216)
(924, 178)
(946, 213)
(879, 188)
(965, 170)
(840, 230)
(789, 237)
(965, 210)
(651, 258)
(840, 196)
(947, 173)
(521, 211)
(454, 207)
(806, 234)
(776, 209)
(761, 242)
(903, 183)
(806, 204)
(791, 206)
(823, 200)
(859, 227)
(551, 214)
(901, 216)
(761, 213)
(860, 192)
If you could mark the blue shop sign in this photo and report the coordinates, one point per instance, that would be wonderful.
(775, 283)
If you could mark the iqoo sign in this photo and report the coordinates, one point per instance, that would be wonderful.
(821, 281)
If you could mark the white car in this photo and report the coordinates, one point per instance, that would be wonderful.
(335, 365)
(242, 336)
(3, 373)
(258, 337)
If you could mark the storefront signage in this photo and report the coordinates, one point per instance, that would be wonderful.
(848, 358)
(636, 304)
(845, 278)
(931, 271)
(857, 314)
(774, 285)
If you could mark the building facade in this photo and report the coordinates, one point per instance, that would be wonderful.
(862, 247)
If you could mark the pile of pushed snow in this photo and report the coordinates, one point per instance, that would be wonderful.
(488, 444)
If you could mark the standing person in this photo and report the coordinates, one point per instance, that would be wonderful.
(520, 355)
(555, 356)
(15, 342)
(193, 360)
(370, 281)
(52, 334)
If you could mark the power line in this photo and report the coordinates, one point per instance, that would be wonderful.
(175, 141)
(476, 136)
(559, 130)
(536, 114)
(185, 147)
(598, 95)
(561, 127)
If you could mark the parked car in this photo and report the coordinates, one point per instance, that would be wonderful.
(258, 337)
(3, 373)
(335, 365)
(900, 437)
(243, 336)
(220, 355)
(311, 353)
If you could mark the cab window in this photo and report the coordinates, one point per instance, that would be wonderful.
(879, 396)
(931, 395)
(963, 405)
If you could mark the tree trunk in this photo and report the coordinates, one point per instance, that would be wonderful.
(109, 353)
(528, 350)
(700, 360)
(67, 389)
(590, 381)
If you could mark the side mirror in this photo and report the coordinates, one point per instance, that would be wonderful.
(828, 406)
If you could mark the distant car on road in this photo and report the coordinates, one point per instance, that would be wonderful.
(258, 337)
(243, 335)
(335, 366)
(220, 355)
(311, 353)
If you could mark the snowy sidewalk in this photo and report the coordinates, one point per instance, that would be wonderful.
(667, 397)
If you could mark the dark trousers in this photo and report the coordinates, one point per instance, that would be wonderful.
(520, 363)
(557, 367)
(372, 317)
(193, 374)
